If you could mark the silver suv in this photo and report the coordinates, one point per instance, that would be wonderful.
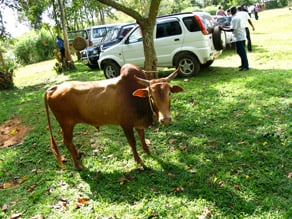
(186, 40)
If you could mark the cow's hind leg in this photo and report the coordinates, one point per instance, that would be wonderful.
(141, 134)
(132, 142)
(68, 141)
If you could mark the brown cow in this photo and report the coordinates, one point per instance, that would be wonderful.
(129, 100)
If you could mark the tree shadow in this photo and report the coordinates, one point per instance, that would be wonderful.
(170, 181)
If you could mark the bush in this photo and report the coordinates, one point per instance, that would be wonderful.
(271, 4)
(34, 47)
(7, 66)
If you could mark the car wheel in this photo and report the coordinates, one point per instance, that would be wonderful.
(219, 38)
(188, 64)
(111, 69)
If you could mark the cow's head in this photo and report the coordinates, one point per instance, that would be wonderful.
(158, 92)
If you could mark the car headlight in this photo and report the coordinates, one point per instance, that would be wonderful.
(94, 52)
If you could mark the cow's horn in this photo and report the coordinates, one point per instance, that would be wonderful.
(172, 75)
(142, 81)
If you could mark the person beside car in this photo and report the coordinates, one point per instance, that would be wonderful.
(61, 47)
(242, 12)
(256, 12)
(238, 37)
(220, 12)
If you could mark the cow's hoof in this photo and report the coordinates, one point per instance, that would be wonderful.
(62, 165)
(147, 150)
(79, 155)
(78, 167)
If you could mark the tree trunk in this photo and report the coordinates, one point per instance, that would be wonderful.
(2, 62)
(68, 63)
(150, 64)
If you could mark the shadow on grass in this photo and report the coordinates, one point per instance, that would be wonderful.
(173, 180)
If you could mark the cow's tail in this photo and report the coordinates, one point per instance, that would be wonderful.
(53, 144)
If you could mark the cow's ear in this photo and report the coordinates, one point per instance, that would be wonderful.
(176, 89)
(140, 93)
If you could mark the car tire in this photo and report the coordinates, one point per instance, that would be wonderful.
(219, 38)
(79, 43)
(207, 64)
(188, 64)
(111, 69)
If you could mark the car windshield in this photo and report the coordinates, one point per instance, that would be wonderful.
(208, 21)
(111, 35)
(224, 20)
(118, 32)
(77, 33)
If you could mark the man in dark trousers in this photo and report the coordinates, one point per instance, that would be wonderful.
(238, 37)
(61, 47)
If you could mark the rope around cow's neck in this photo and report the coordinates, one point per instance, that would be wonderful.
(154, 114)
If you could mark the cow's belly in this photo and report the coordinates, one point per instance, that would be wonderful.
(102, 117)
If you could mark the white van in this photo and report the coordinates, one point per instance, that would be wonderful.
(96, 33)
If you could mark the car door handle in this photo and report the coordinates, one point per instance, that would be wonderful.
(177, 39)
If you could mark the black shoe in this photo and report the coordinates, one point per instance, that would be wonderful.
(244, 69)
(240, 66)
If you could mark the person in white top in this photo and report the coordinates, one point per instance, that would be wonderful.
(246, 20)
(238, 37)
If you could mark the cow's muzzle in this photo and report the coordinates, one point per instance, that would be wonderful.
(165, 120)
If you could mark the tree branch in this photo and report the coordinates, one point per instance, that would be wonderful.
(129, 11)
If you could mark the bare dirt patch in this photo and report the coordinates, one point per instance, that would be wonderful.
(12, 132)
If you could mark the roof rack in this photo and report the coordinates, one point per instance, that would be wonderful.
(169, 15)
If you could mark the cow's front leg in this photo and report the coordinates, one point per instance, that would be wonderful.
(141, 134)
(68, 141)
(132, 142)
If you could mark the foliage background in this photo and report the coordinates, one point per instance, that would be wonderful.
(34, 47)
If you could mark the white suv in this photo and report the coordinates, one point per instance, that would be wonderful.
(186, 40)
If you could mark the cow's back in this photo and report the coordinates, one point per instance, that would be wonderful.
(102, 102)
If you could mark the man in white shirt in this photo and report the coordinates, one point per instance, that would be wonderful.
(246, 19)
(238, 37)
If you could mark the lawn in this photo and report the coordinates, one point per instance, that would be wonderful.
(227, 154)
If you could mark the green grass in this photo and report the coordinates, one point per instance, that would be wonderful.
(228, 150)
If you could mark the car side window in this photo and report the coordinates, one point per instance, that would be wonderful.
(99, 32)
(191, 24)
(168, 29)
(136, 36)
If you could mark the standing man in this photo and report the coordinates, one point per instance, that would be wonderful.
(61, 47)
(246, 19)
(220, 12)
(256, 11)
(239, 37)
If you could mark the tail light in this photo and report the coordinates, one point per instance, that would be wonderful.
(201, 24)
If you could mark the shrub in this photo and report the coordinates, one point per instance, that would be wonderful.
(34, 47)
